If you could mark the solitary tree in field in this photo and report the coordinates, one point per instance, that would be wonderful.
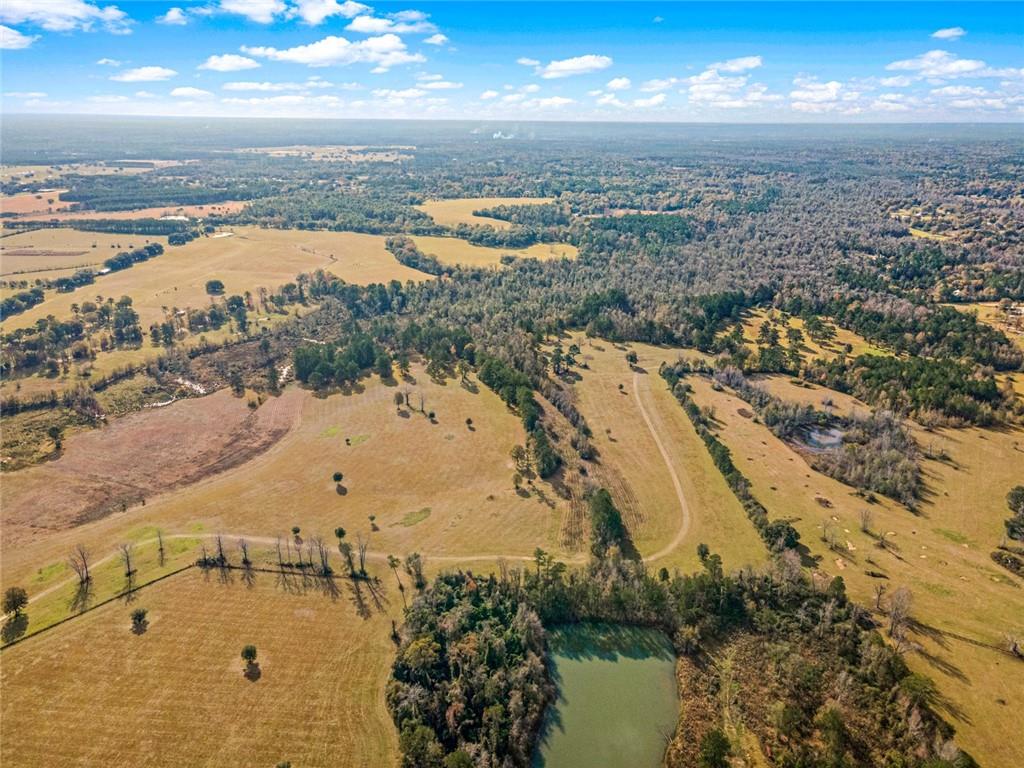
(295, 530)
(79, 562)
(339, 532)
(393, 563)
(469, 423)
(249, 657)
(15, 599)
(373, 522)
(139, 620)
(337, 476)
(56, 434)
(399, 399)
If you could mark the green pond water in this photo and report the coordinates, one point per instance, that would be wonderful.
(617, 702)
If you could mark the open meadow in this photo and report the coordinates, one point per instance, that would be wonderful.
(455, 251)
(176, 693)
(963, 603)
(53, 248)
(844, 340)
(451, 213)
(158, 212)
(654, 464)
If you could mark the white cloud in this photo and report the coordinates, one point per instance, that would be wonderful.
(442, 85)
(144, 95)
(105, 62)
(811, 91)
(488, 95)
(437, 39)
(713, 89)
(741, 64)
(427, 77)
(527, 62)
(25, 95)
(958, 90)
(174, 16)
(577, 65)
(403, 22)
(618, 84)
(897, 81)
(550, 102)
(651, 101)
(939, 64)
(190, 93)
(64, 15)
(274, 87)
(144, 75)
(13, 40)
(315, 11)
(108, 99)
(405, 93)
(229, 62)
(608, 99)
(260, 11)
(949, 33)
(385, 51)
(656, 85)
(530, 88)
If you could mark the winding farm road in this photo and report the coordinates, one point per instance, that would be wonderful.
(669, 548)
(684, 508)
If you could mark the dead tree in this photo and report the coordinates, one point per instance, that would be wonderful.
(126, 559)
(280, 559)
(243, 545)
(879, 592)
(899, 610)
(222, 559)
(362, 544)
(323, 555)
(346, 551)
(79, 562)
(160, 547)
(865, 520)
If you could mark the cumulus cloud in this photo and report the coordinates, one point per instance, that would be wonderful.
(385, 51)
(24, 95)
(260, 11)
(64, 15)
(105, 62)
(618, 84)
(174, 16)
(577, 65)
(405, 93)
(939, 64)
(107, 99)
(13, 40)
(403, 22)
(312, 83)
(607, 99)
(442, 85)
(189, 92)
(897, 81)
(144, 75)
(741, 64)
(437, 39)
(949, 33)
(488, 95)
(814, 97)
(315, 11)
(550, 102)
(712, 88)
(658, 84)
(651, 101)
(229, 62)
(527, 62)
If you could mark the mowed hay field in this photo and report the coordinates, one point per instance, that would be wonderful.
(92, 692)
(632, 467)
(452, 250)
(57, 248)
(451, 213)
(963, 603)
(248, 259)
(438, 488)
(159, 212)
(33, 202)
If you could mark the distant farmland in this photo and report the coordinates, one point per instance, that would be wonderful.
(451, 213)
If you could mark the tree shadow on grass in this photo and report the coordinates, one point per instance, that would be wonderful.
(252, 671)
(82, 598)
(14, 628)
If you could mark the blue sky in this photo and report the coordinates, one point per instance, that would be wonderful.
(669, 61)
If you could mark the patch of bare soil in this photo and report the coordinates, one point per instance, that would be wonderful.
(139, 456)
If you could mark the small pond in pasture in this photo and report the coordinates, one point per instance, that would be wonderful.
(617, 703)
(821, 438)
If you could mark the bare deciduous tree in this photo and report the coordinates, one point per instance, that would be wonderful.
(865, 520)
(126, 559)
(899, 610)
(79, 562)
(160, 547)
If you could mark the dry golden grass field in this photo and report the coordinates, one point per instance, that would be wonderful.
(452, 250)
(38, 173)
(33, 202)
(963, 602)
(52, 248)
(190, 211)
(248, 259)
(640, 477)
(439, 488)
(93, 692)
(337, 153)
(1009, 322)
(451, 213)
(810, 348)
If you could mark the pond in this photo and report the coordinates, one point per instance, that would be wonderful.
(821, 438)
(617, 702)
